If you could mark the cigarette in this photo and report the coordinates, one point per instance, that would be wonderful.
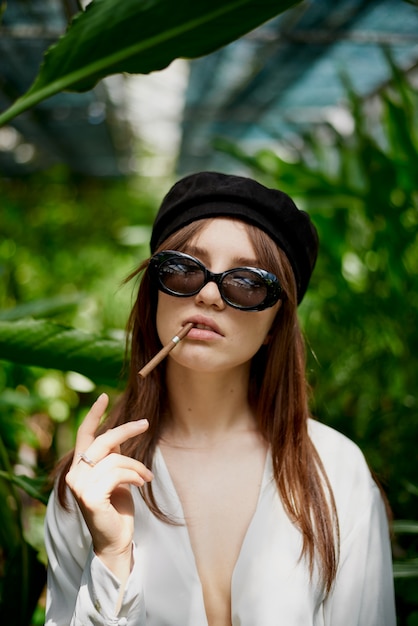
(165, 350)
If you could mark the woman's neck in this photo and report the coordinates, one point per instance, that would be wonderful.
(204, 408)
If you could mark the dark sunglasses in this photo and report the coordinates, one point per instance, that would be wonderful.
(245, 288)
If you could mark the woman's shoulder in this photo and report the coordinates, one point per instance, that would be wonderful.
(331, 444)
(344, 463)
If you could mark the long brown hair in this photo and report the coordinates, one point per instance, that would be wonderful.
(278, 393)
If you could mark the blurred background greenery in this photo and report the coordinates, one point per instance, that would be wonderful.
(67, 240)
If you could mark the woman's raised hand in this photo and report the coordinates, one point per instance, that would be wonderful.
(100, 478)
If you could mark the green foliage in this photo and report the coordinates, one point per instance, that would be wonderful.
(46, 307)
(139, 37)
(360, 313)
(35, 487)
(41, 343)
(64, 239)
(18, 559)
(65, 246)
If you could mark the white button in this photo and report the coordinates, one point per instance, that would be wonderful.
(123, 621)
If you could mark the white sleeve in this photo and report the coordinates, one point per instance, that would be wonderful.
(81, 591)
(363, 594)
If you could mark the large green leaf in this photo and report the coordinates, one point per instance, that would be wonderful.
(44, 344)
(140, 36)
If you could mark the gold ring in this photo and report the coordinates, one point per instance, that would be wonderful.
(83, 457)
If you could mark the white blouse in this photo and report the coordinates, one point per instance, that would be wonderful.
(271, 585)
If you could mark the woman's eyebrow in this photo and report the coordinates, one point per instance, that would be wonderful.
(203, 255)
(238, 261)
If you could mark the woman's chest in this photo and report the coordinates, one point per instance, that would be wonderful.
(218, 494)
(261, 575)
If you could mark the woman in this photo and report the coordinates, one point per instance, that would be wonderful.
(210, 497)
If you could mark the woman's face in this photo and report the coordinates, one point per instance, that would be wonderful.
(223, 338)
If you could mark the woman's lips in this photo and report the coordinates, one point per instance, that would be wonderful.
(203, 326)
(202, 334)
(204, 330)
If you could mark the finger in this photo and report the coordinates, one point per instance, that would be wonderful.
(88, 428)
(112, 439)
(91, 422)
(112, 471)
(115, 462)
(98, 490)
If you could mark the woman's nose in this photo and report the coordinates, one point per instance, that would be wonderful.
(210, 295)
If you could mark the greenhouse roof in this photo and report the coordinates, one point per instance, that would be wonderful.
(286, 76)
(265, 88)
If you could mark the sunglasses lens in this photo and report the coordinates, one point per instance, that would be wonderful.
(181, 276)
(244, 288)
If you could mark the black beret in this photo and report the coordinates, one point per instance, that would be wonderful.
(211, 194)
